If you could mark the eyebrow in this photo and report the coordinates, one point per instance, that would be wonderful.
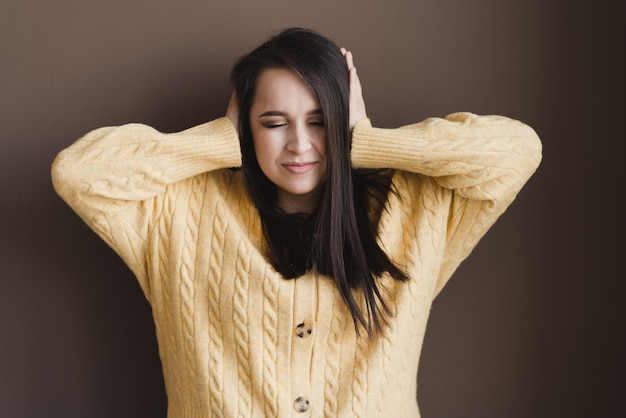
(281, 113)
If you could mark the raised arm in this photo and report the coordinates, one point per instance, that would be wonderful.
(135, 162)
(479, 162)
(115, 177)
(479, 157)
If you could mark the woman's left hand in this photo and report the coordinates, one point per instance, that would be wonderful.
(357, 104)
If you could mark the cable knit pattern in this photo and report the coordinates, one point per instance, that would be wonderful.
(333, 359)
(241, 330)
(270, 343)
(216, 346)
(187, 288)
(174, 208)
(167, 292)
(360, 373)
(389, 293)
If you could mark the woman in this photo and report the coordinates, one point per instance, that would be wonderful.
(300, 284)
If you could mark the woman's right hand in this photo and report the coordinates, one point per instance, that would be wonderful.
(232, 112)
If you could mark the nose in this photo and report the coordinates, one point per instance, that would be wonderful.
(299, 140)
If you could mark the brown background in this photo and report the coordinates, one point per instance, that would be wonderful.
(531, 325)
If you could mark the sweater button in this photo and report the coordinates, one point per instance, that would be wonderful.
(301, 404)
(303, 330)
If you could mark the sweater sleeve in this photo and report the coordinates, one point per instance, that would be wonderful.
(112, 176)
(484, 161)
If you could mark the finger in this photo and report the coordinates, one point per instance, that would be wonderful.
(349, 60)
(348, 57)
(355, 83)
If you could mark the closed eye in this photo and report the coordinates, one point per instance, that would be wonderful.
(274, 125)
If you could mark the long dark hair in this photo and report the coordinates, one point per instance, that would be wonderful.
(339, 238)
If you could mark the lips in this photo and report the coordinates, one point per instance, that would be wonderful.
(299, 168)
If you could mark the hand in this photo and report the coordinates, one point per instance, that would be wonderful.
(356, 103)
(232, 112)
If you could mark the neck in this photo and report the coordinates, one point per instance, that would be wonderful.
(306, 203)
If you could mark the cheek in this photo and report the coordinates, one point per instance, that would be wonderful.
(264, 150)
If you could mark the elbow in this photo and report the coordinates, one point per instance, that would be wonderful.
(63, 181)
(524, 150)
(533, 151)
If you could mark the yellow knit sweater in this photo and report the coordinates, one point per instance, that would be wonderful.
(236, 339)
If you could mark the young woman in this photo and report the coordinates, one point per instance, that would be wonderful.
(290, 251)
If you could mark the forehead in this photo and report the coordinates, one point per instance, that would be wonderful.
(281, 87)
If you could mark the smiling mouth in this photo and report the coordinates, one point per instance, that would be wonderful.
(299, 168)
